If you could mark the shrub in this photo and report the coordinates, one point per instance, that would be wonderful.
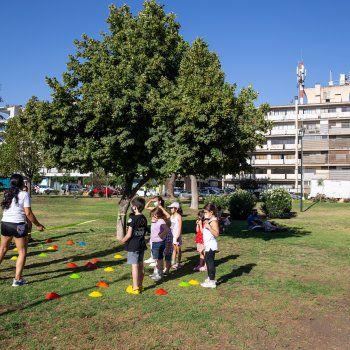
(218, 201)
(241, 203)
(277, 203)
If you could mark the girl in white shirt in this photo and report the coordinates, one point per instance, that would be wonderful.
(210, 233)
(16, 209)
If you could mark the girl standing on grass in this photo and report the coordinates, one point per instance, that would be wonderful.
(176, 229)
(200, 242)
(210, 233)
(17, 209)
(159, 231)
(157, 202)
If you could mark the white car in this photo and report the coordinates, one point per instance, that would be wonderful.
(43, 189)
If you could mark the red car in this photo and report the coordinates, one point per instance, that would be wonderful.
(110, 191)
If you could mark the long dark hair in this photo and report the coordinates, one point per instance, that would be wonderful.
(211, 207)
(17, 183)
(160, 199)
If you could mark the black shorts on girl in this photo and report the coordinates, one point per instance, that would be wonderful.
(11, 229)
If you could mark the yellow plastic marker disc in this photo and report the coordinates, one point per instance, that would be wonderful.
(193, 282)
(109, 269)
(95, 294)
(15, 249)
(14, 258)
(118, 256)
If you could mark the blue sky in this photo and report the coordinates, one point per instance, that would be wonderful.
(259, 42)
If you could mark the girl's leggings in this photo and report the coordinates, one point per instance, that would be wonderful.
(209, 260)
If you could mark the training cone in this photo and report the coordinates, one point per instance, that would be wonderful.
(72, 265)
(82, 243)
(95, 260)
(52, 296)
(95, 294)
(49, 240)
(90, 265)
(160, 291)
(109, 269)
(118, 256)
(15, 249)
(193, 282)
(43, 255)
(102, 285)
(74, 275)
(70, 242)
(184, 284)
(14, 257)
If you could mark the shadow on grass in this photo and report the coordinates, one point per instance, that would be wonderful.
(310, 206)
(244, 269)
(14, 308)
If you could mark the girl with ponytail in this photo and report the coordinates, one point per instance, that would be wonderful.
(16, 210)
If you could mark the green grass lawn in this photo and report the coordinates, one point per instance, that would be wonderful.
(285, 290)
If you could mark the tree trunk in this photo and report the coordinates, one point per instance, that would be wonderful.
(171, 185)
(125, 200)
(194, 191)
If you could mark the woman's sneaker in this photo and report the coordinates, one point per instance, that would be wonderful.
(157, 277)
(176, 266)
(203, 269)
(17, 283)
(209, 283)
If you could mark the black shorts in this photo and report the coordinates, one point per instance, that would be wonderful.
(11, 229)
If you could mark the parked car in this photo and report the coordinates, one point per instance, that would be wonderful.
(44, 189)
(110, 190)
(185, 194)
(205, 192)
(73, 188)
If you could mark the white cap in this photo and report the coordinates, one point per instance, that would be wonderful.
(174, 205)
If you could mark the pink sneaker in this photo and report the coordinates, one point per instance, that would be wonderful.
(203, 269)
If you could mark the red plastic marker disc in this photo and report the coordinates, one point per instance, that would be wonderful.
(70, 242)
(52, 296)
(55, 246)
(72, 265)
(160, 291)
(90, 265)
(102, 285)
(95, 260)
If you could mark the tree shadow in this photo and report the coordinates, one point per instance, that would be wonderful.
(244, 269)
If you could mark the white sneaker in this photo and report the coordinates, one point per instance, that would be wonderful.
(17, 283)
(157, 277)
(150, 260)
(209, 283)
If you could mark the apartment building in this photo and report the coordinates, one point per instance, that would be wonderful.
(325, 119)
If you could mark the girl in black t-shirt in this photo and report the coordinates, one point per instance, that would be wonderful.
(136, 245)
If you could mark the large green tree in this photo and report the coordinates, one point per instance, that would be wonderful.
(21, 150)
(210, 130)
(102, 114)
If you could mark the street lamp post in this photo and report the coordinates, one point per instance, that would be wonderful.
(301, 133)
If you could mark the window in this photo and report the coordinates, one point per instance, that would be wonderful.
(261, 156)
(309, 111)
(315, 137)
(340, 157)
(289, 156)
(345, 109)
(328, 110)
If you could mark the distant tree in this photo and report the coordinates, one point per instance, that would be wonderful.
(21, 151)
(102, 115)
(211, 130)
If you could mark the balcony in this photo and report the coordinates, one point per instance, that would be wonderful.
(339, 143)
(314, 131)
(277, 176)
(273, 162)
(276, 146)
(292, 176)
(338, 158)
(339, 131)
(339, 174)
(315, 159)
(316, 144)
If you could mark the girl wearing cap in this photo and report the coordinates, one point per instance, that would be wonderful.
(176, 229)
